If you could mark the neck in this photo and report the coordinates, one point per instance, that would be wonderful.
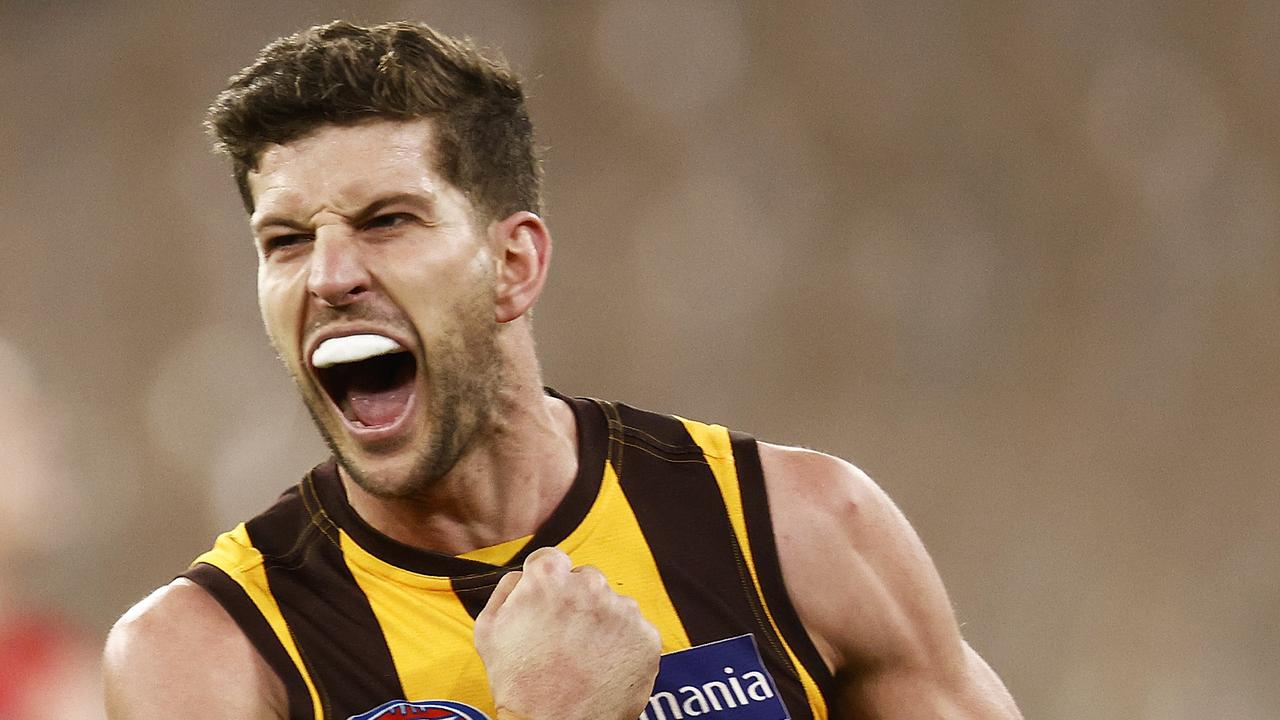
(507, 482)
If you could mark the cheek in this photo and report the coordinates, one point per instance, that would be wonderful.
(279, 302)
(448, 304)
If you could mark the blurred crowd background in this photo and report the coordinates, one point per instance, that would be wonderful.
(1019, 261)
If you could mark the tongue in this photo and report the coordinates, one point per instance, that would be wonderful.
(375, 408)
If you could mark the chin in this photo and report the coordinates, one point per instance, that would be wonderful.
(390, 474)
(403, 472)
(388, 464)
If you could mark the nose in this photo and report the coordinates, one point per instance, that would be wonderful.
(337, 275)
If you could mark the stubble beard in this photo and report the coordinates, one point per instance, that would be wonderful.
(462, 386)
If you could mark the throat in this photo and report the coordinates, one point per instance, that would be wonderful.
(503, 489)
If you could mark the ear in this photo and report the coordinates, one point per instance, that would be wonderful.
(522, 249)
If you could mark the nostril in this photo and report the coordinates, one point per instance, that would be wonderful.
(336, 273)
(337, 288)
(338, 296)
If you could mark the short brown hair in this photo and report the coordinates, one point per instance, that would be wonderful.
(342, 73)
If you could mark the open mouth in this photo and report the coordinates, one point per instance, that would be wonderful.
(370, 378)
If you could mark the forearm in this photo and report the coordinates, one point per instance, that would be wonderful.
(972, 692)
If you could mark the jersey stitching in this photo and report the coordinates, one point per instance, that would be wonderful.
(294, 557)
(459, 591)
(678, 448)
(615, 436)
(756, 598)
(243, 568)
(243, 564)
(748, 587)
(318, 517)
(326, 705)
(756, 601)
(664, 458)
(299, 551)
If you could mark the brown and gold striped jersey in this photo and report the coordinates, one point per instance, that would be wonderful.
(672, 511)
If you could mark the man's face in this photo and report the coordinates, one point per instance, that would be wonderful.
(377, 290)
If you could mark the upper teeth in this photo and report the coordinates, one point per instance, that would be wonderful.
(352, 348)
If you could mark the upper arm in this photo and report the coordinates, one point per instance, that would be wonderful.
(870, 597)
(179, 648)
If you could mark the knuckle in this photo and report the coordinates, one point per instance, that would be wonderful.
(546, 560)
(592, 577)
(653, 636)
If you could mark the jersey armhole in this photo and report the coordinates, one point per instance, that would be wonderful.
(233, 598)
(764, 552)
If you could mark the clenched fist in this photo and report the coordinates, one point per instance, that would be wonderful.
(558, 642)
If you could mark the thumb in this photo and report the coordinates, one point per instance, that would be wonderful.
(500, 593)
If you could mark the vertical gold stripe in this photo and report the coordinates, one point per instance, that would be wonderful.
(714, 441)
(428, 631)
(234, 554)
(618, 548)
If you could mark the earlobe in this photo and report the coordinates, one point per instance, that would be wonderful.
(522, 245)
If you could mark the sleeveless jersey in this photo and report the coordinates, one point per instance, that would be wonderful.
(673, 512)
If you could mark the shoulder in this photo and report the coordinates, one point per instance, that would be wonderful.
(840, 537)
(815, 497)
(869, 596)
(802, 480)
(178, 645)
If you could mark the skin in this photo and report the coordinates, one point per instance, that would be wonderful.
(553, 620)
(357, 232)
(351, 223)
(897, 652)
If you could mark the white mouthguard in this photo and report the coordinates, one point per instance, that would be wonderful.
(352, 348)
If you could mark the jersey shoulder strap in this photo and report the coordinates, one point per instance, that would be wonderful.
(234, 573)
(680, 474)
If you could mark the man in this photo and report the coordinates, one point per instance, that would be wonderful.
(666, 568)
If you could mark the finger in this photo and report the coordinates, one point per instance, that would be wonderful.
(592, 576)
(501, 592)
(547, 561)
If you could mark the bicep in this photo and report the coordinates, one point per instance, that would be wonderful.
(178, 648)
(869, 595)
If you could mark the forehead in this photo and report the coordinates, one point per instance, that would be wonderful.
(341, 165)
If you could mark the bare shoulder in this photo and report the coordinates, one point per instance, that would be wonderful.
(869, 595)
(178, 645)
(833, 524)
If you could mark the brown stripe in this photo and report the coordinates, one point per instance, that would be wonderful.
(677, 502)
(474, 591)
(335, 629)
(671, 491)
(233, 599)
(764, 551)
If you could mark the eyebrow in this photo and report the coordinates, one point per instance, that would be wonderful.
(364, 214)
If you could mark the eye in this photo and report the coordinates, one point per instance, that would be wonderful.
(278, 242)
(388, 221)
